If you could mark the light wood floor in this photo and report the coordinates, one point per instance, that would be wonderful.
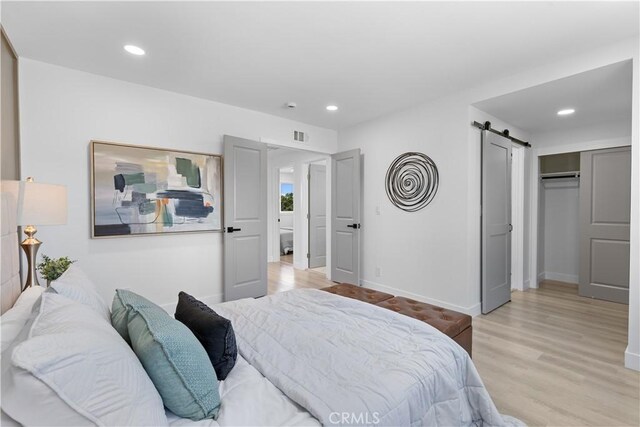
(283, 277)
(287, 258)
(550, 357)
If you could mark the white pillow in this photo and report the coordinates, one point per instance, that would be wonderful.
(14, 319)
(75, 369)
(75, 284)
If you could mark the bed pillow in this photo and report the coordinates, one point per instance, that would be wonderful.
(72, 368)
(12, 322)
(214, 332)
(74, 284)
(174, 359)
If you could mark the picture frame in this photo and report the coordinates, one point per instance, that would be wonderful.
(141, 190)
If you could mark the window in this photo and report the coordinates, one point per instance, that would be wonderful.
(286, 197)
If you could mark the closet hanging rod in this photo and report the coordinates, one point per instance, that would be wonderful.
(566, 175)
(504, 133)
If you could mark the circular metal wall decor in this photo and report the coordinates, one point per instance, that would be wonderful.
(412, 181)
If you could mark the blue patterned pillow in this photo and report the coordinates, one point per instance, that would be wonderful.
(173, 357)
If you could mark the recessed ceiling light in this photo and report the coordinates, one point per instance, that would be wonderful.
(332, 107)
(134, 50)
(566, 112)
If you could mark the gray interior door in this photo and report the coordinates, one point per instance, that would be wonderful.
(345, 217)
(317, 215)
(605, 209)
(496, 221)
(245, 218)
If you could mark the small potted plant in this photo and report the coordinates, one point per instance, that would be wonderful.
(52, 268)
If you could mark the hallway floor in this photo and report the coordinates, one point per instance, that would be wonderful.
(283, 277)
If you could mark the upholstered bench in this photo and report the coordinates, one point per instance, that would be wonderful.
(453, 324)
(358, 292)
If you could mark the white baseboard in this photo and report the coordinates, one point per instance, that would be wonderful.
(631, 360)
(561, 277)
(474, 310)
(209, 300)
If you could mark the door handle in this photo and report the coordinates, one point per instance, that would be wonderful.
(231, 229)
(355, 226)
(510, 228)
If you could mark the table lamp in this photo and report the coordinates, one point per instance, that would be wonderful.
(38, 204)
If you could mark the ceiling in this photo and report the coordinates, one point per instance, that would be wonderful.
(599, 96)
(368, 58)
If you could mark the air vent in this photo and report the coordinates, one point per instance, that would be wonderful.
(299, 136)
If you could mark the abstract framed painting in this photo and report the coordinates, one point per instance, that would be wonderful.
(139, 190)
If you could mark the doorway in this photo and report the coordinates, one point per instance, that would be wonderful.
(584, 219)
(298, 208)
(253, 215)
(285, 219)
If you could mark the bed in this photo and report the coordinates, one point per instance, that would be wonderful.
(286, 240)
(306, 357)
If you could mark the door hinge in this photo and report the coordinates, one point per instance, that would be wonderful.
(308, 216)
(308, 255)
(308, 177)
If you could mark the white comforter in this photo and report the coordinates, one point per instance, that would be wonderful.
(349, 362)
(249, 399)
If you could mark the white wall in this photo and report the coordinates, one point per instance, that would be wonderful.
(62, 110)
(433, 254)
(561, 230)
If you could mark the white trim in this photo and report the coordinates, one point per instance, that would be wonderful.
(209, 300)
(539, 278)
(300, 220)
(584, 146)
(517, 217)
(561, 277)
(474, 310)
(273, 227)
(631, 360)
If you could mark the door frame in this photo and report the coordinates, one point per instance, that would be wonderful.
(518, 153)
(534, 187)
(301, 188)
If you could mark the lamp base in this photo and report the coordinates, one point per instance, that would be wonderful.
(30, 245)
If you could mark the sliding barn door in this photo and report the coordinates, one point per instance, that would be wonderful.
(245, 218)
(496, 221)
(605, 209)
(345, 217)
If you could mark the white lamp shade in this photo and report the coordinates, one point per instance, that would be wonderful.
(38, 204)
